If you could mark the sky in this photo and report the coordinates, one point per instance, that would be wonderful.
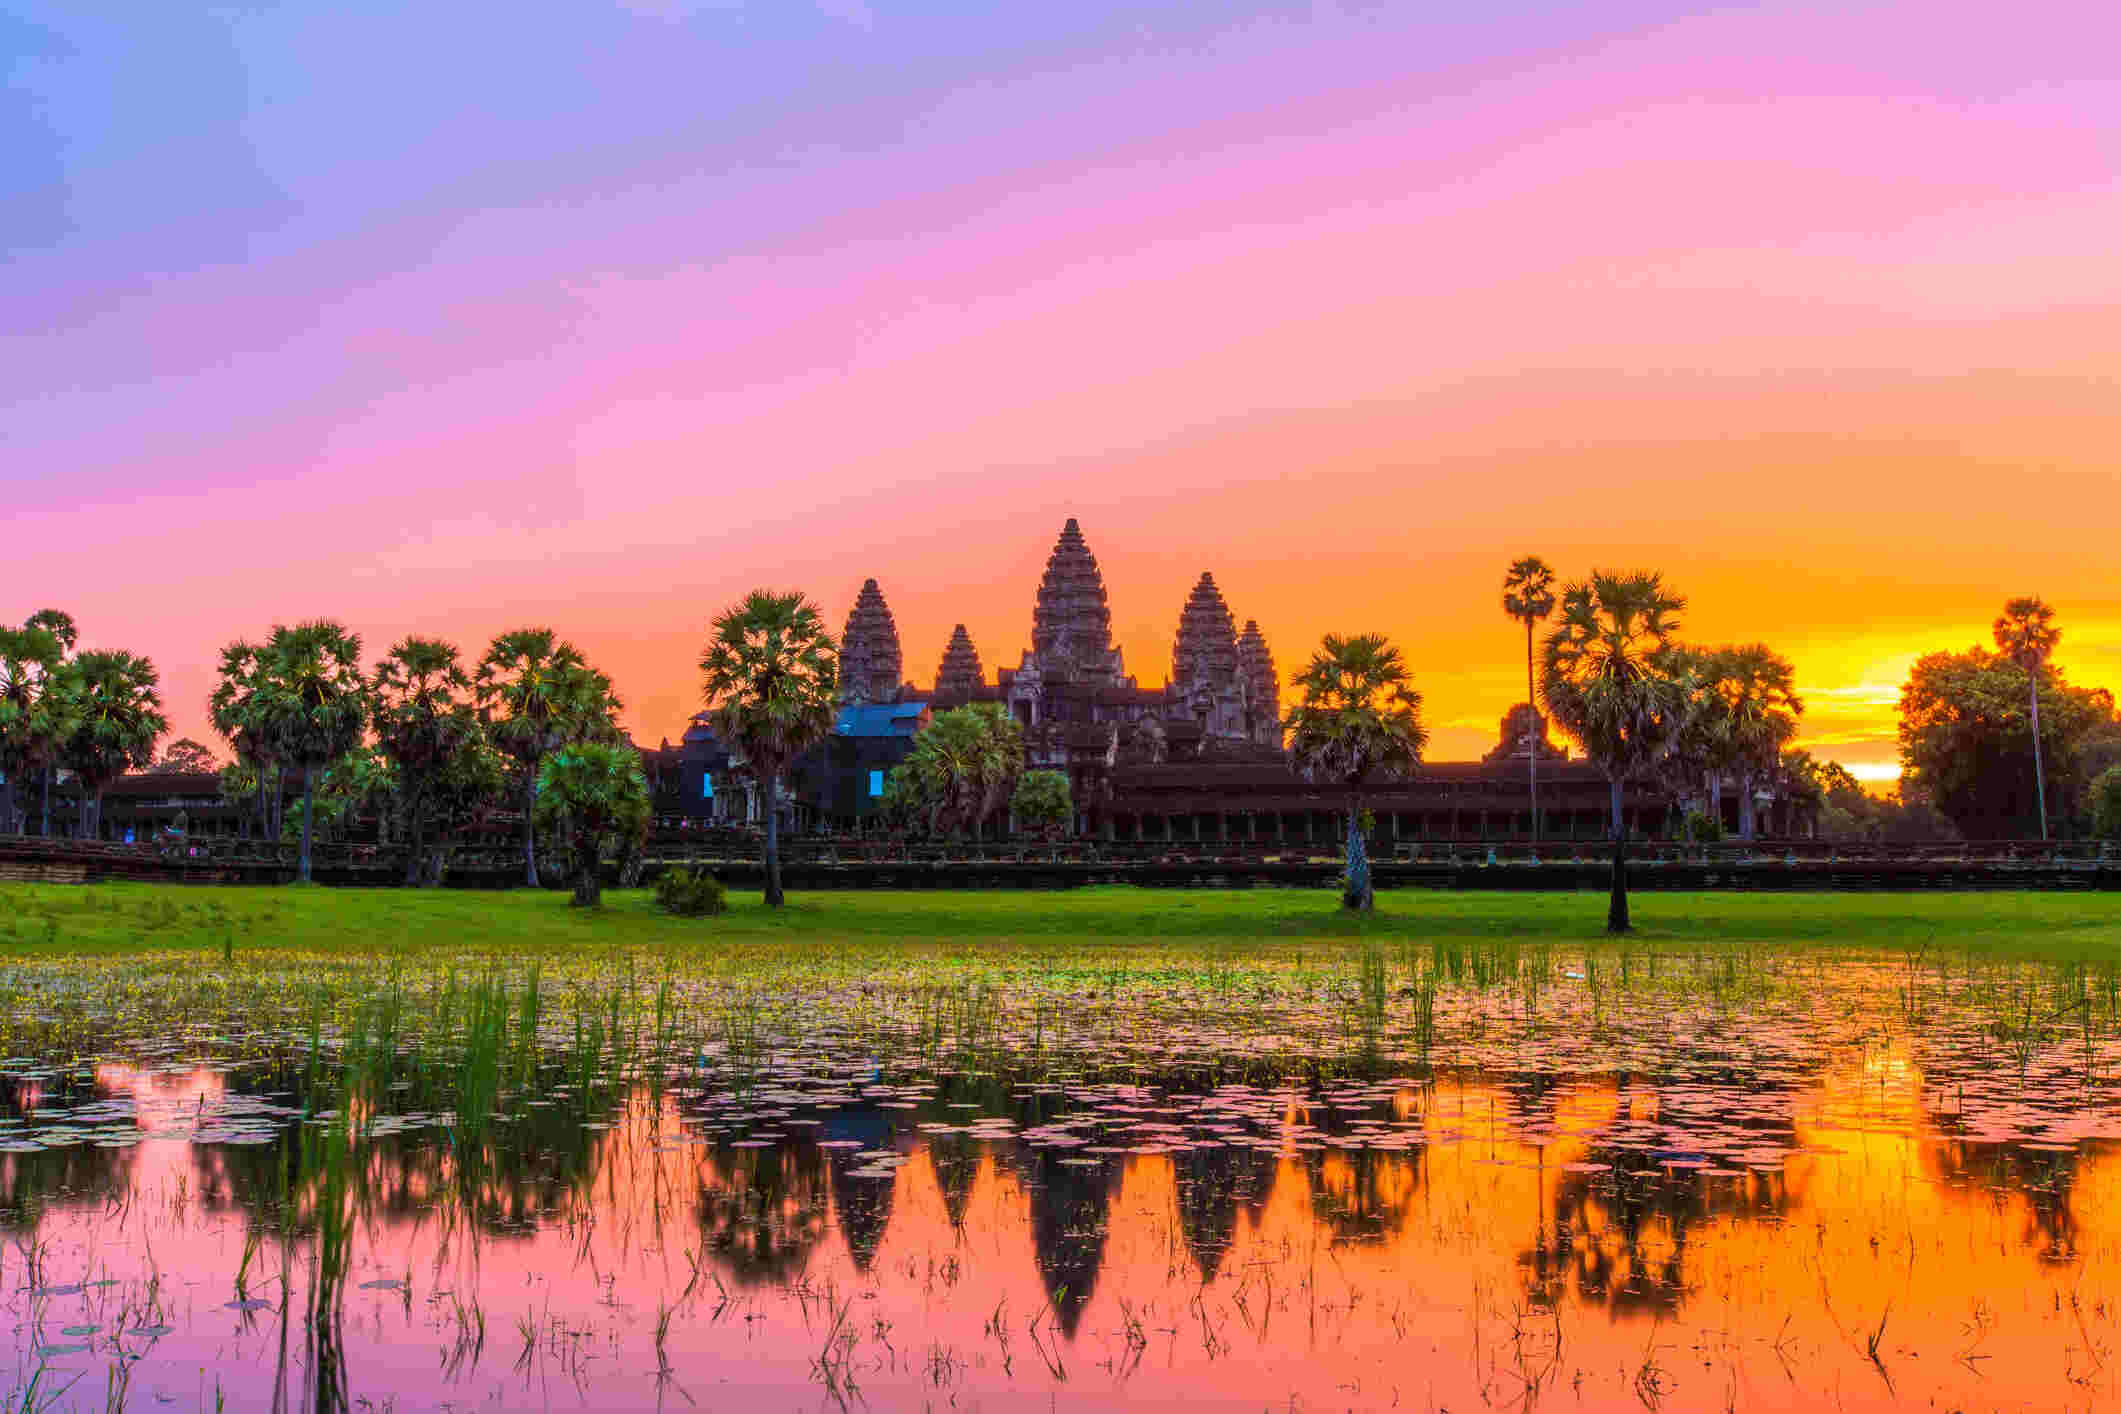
(451, 319)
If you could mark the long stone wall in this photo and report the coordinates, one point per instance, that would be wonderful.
(1875, 868)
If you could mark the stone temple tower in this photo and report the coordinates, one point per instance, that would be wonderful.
(871, 665)
(1206, 647)
(960, 673)
(1205, 684)
(1071, 624)
(1255, 664)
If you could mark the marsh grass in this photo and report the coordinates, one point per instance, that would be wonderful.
(479, 1040)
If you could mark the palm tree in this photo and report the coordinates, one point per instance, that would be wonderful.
(1693, 765)
(35, 716)
(362, 779)
(1360, 717)
(1610, 680)
(312, 704)
(595, 792)
(525, 684)
(236, 711)
(772, 682)
(34, 727)
(117, 719)
(421, 723)
(1760, 709)
(2026, 634)
(964, 766)
(1528, 597)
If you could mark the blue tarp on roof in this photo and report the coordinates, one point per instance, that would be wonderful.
(879, 719)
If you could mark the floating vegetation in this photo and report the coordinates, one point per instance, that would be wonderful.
(1328, 1175)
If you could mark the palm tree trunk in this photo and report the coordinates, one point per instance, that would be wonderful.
(81, 828)
(530, 827)
(2039, 771)
(588, 882)
(1532, 742)
(1748, 812)
(773, 840)
(1358, 894)
(44, 827)
(309, 778)
(1616, 912)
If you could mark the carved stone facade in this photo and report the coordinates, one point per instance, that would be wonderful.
(872, 667)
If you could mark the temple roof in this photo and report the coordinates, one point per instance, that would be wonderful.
(885, 719)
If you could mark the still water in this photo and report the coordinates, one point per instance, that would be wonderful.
(1858, 1186)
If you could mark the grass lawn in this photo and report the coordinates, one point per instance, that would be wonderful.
(69, 920)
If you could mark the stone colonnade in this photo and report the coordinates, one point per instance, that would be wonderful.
(1317, 823)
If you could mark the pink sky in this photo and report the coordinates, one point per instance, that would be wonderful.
(1812, 308)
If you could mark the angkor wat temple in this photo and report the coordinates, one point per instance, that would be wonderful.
(1082, 713)
(1199, 758)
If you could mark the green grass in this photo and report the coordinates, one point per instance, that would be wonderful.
(46, 920)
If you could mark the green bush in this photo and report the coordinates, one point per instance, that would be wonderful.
(1703, 828)
(2106, 804)
(690, 893)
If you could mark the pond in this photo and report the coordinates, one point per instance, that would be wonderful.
(1309, 1178)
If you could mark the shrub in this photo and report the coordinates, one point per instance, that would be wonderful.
(690, 893)
(1042, 805)
(1703, 828)
(2106, 804)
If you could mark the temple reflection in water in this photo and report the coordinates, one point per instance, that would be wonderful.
(1418, 1234)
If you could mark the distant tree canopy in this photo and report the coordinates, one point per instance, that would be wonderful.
(1966, 743)
(1846, 811)
(2106, 804)
(184, 754)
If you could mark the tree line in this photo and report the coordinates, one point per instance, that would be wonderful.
(430, 745)
(1650, 710)
(96, 713)
(1992, 742)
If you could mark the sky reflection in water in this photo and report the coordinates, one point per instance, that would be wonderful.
(1863, 1218)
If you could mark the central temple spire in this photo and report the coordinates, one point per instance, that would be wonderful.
(1071, 624)
(1205, 652)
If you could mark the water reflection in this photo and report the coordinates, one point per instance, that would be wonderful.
(1480, 1235)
